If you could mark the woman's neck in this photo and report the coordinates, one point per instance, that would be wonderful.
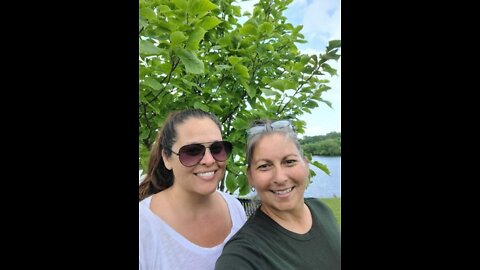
(298, 220)
(188, 202)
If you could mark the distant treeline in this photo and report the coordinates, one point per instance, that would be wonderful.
(323, 145)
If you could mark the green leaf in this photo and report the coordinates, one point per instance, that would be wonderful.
(230, 182)
(224, 41)
(151, 82)
(143, 135)
(166, 27)
(163, 9)
(240, 123)
(189, 83)
(198, 105)
(236, 10)
(270, 92)
(231, 20)
(233, 168)
(266, 80)
(241, 70)
(142, 23)
(297, 30)
(182, 4)
(251, 92)
(279, 84)
(266, 28)
(305, 58)
(177, 38)
(296, 101)
(147, 48)
(248, 29)
(210, 22)
(243, 185)
(217, 109)
(332, 44)
(195, 37)
(190, 61)
(148, 13)
(332, 55)
(329, 69)
(321, 166)
(165, 68)
(234, 60)
(196, 7)
(311, 104)
(329, 104)
(298, 66)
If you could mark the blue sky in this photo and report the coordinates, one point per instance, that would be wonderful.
(321, 23)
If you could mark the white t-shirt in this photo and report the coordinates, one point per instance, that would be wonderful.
(161, 247)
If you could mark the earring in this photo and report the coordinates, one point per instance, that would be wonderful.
(252, 188)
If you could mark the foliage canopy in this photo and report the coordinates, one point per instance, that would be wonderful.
(198, 54)
(323, 145)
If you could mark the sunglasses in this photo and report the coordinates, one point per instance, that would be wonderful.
(263, 126)
(191, 154)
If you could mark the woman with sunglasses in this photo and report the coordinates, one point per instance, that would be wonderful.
(287, 231)
(184, 220)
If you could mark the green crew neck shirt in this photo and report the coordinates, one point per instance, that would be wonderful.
(263, 244)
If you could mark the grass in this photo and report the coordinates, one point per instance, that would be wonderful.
(334, 204)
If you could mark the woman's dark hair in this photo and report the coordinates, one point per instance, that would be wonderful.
(158, 176)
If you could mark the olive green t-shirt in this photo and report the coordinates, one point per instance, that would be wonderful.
(263, 244)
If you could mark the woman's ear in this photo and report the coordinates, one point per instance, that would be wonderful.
(249, 178)
(166, 161)
(306, 160)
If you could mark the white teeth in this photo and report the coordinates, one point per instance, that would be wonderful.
(205, 174)
(285, 191)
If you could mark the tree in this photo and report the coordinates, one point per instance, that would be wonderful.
(196, 53)
(323, 145)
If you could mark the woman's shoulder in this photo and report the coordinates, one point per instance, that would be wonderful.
(230, 199)
(145, 202)
(321, 210)
(237, 212)
(225, 194)
(315, 202)
(318, 206)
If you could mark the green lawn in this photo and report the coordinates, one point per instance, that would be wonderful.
(334, 204)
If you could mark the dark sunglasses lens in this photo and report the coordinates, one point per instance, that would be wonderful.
(191, 154)
(221, 150)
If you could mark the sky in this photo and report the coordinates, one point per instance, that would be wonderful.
(321, 23)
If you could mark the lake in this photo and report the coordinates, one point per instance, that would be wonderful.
(323, 185)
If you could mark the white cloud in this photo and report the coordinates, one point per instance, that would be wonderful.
(322, 19)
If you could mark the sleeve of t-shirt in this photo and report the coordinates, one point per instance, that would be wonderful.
(237, 211)
(239, 254)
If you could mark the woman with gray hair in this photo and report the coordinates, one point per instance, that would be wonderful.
(287, 231)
